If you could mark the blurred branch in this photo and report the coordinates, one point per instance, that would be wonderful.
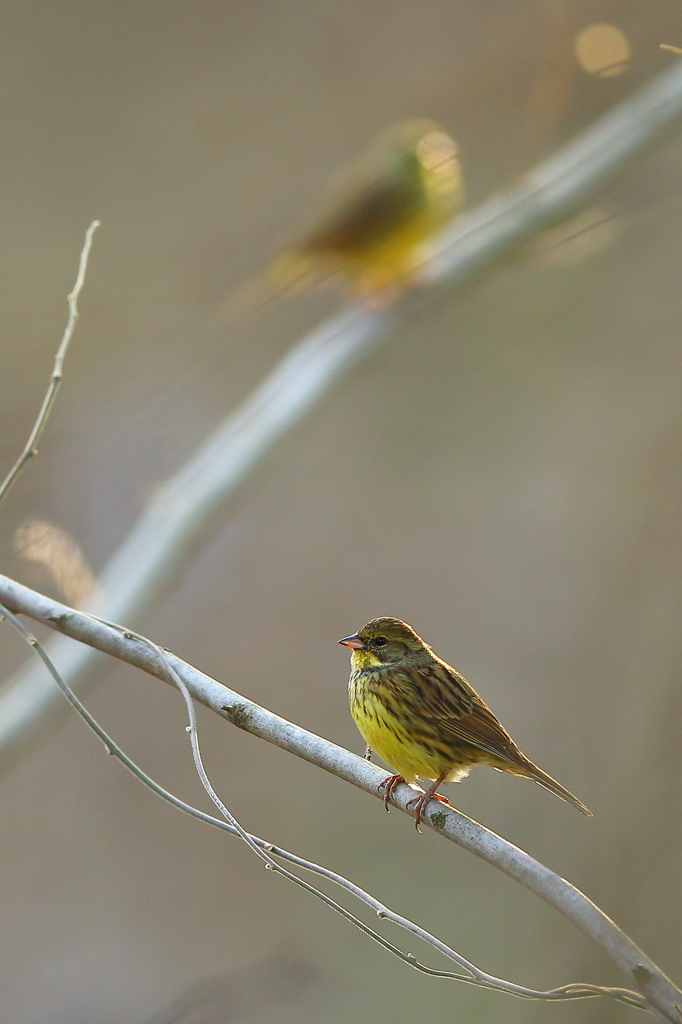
(185, 510)
(660, 995)
(30, 448)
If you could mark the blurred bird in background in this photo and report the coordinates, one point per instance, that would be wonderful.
(380, 211)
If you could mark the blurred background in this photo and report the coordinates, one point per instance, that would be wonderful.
(503, 473)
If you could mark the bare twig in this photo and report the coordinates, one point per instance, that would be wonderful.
(266, 851)
(659, 993)
(183, 513)
(30, 448)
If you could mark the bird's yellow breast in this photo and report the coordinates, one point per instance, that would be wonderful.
(395, 257)
(390, 733)
(392, 259)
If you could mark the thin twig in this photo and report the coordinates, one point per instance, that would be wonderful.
(55, 380)
(185, 510)
(264, 850)
(659, 993)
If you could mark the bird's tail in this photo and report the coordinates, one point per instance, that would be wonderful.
(290, 273)
(547, 782)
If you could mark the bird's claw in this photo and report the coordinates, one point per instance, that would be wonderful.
(419, 803)
(389, 786)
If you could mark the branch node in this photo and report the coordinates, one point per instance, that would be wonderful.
(59, 622)
(642, 973)
(238, 714)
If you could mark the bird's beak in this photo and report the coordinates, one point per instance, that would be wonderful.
(354, 642)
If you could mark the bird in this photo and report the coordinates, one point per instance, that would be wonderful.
(424, 719)
(381, 209)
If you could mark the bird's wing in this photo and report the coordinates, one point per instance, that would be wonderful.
(460, 714)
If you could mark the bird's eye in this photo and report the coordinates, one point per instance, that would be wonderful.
(379, 641)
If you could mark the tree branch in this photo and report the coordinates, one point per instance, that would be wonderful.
(660, 994)
(264, 850)
(182, 515)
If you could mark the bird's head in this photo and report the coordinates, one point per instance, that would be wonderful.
(416, 147)
(383, 641)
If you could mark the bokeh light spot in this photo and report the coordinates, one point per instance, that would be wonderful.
(602, 50)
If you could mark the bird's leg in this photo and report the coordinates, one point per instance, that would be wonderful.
(419, 803)
(389, 785)
(368, 753)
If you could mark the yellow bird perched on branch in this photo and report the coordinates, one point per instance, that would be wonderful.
(424, 719)
(381, 210)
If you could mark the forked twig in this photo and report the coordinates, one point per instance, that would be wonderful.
(30, 448)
